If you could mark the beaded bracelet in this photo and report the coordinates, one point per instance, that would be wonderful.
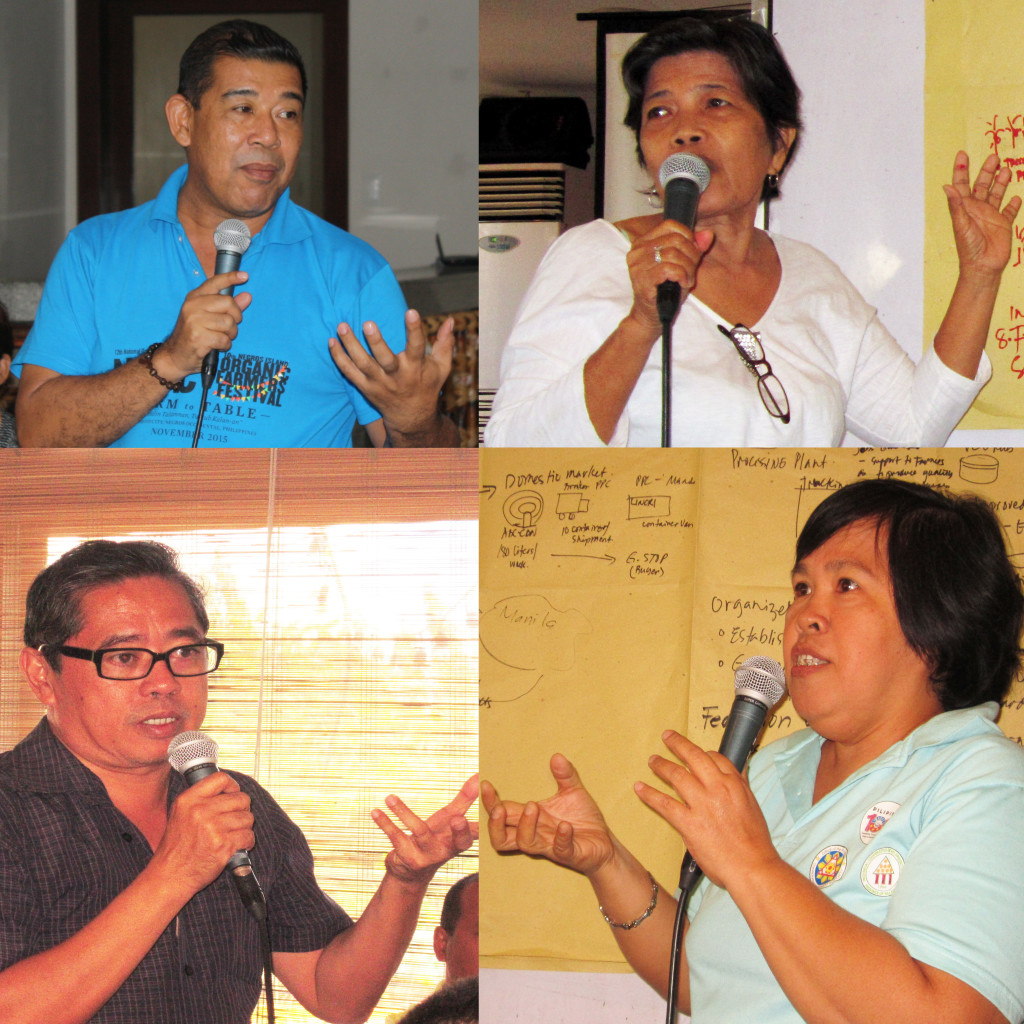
(147, 361)
(643, 917)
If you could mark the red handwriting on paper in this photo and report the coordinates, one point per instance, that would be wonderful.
(1010, 339)
(1005, 133)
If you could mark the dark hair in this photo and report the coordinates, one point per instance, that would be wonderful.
(53, 609)
(451, 910)
(456, 1002)
(957, 596)
(752, 51)
(6, 333)
(246, 40)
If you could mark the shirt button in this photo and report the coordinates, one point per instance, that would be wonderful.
(187, 971)
(127, 837)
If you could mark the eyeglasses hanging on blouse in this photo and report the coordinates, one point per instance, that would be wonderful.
(769, 387)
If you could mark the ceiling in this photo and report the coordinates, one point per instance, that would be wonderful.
(538, 46)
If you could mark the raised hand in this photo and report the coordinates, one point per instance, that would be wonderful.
(567, 828)
(420, 847)
(405, 387)
(982, 225)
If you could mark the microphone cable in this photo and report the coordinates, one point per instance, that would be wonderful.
(689, 876)
(759, 684)
(207, 381)
(673, 970)
(666, 383)
(268, 968)
(255, 903)
(194, 756)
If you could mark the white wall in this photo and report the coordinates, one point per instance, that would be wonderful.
(557, 997)
(413, 152)
(855, 188)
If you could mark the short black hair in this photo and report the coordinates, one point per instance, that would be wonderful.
(957, 596)
(53, 607)
(246, 40)
(451, 910)
(456, 1002)
(752, 51)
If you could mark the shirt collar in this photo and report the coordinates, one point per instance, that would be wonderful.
(287, 223)
(804, 748)
(40, 763)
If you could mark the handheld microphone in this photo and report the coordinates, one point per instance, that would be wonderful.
(194, 756)
(232, 238)
(760, 684)
(684, 177)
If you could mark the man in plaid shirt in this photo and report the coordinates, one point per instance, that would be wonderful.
(114, 903)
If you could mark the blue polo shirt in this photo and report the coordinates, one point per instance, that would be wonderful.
(117, 285)
(925, 842)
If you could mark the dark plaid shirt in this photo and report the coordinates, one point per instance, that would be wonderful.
(66, 852)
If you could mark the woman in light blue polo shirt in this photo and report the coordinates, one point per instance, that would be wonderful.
(868, 868)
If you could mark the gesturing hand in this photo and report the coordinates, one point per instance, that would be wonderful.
(417, 853)
(404, 387)
(567, 828)
(983, 231)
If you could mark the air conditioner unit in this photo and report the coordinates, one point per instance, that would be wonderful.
(522, 211)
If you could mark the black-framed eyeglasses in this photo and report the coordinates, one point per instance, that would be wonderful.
(769, 387)
(196, 659)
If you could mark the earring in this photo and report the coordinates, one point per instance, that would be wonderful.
(653, 199)
(773, 182)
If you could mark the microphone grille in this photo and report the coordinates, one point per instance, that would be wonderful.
(232, 236)
(761, 678)
(189, 748)
(685, 165)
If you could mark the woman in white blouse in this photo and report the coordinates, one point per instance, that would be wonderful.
(583, 367)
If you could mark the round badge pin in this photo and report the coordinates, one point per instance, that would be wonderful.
(881, 872)
(828, 866)
(876, 819)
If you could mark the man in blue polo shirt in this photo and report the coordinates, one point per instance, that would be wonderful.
(131, 305)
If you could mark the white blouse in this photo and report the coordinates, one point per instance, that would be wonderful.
(841, 368)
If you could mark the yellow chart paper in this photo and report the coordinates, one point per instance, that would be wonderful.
(619, 590)
(974, 100)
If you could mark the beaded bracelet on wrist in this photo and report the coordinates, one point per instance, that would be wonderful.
(643, 917)
(147, 361)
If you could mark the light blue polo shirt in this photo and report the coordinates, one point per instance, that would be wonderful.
(926, 842)
(117, 285)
